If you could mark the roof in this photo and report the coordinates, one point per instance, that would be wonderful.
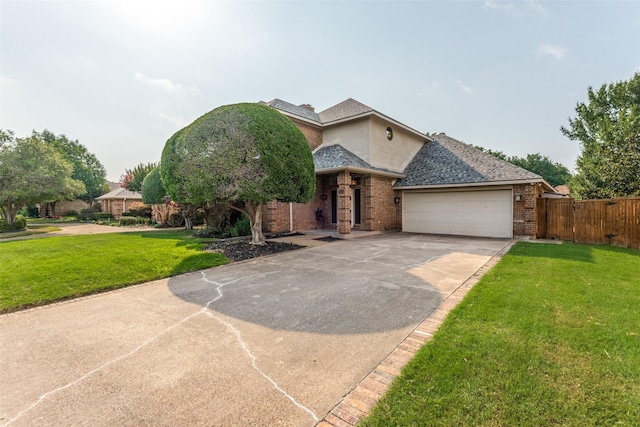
(447, 161)
(120, 193)
(345, 109)
(349, 109)
(296, 110)
(336, 157)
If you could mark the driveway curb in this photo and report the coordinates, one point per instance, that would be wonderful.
(358, 402)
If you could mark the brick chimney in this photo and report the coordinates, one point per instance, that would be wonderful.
(307, 107)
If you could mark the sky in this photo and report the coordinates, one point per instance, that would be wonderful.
(122, 76)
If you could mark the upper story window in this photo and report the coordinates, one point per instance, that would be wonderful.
(389, 133)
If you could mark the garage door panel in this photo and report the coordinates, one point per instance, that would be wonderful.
(471, 213)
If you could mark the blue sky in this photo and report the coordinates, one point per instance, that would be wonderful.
(123, 76)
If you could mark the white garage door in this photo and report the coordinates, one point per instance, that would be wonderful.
(485, 213)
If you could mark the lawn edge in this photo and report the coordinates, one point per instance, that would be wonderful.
(358, 402)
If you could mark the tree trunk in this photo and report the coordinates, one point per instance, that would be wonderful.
(255, 218)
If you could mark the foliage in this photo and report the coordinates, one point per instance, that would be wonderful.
(127, 221)
(55, 268)
(86, 167)
(32, 172)
(545, 338)
(243, 153)
(242, 227)
(138, 209)
(608, 128)
(133, 178)
(553, 172)
(153, 191)
(20, 223)
(494, 153)
(175, 220)
(102, 216)
(87, 214)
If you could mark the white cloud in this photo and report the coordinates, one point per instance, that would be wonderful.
(464, 88)
(509, 8)
(177, 122)
(556, 51)
(537, 7)
(6, 81)
(164, 84)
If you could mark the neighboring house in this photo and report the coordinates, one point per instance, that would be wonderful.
(375, 173)
(118, 201)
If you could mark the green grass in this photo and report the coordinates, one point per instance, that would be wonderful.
(35, 272)
(31, 229)
(550, 336)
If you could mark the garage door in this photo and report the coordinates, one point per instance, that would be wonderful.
(467, 213)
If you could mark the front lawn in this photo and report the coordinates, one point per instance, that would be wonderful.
(34, 272)
(31, 229)
(550, 336)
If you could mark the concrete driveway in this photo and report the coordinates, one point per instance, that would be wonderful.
(274, 341)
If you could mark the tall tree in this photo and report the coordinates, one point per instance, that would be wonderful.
(242, 155)
(608, 128)
(31, 171)
(86, 167)
(132, 179)
(553, 172)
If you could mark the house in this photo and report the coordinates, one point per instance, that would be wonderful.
(118, 201)
(375, 173)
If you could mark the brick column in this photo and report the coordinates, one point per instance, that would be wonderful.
(344, 202)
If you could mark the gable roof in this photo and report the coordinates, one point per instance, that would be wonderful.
(347, 110)
(334, 158)
(120, 193)
(448, 162)
(344, 110)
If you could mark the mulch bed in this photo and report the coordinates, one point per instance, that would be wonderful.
(241, 249)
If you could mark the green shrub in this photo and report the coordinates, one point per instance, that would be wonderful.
(31, 212)
(71, 213)
(140, 210)
(127, 214)
(87, 214)
(242, 227)
(176, 220)
(20, 223)
(102, 216)
(127, 221)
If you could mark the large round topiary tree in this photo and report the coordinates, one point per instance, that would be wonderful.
(243, 155)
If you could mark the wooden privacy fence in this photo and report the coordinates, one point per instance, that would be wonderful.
(605, 221)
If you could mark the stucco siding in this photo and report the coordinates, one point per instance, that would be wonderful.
(354, 136)
(395, 154)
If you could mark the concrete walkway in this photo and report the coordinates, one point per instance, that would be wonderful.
(274, 341)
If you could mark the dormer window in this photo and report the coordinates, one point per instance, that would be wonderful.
(389, 134)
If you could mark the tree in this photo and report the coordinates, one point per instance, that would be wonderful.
(86, 167)
(132, 179)
(608, 128)
(153, 193)
(30, 172)
(242, 155)
(554, 173)
(499, 154)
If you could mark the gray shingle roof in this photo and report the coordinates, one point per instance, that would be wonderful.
(336, 156)
(120, 193)
(449, 161)
(287, 107)
(343, 110)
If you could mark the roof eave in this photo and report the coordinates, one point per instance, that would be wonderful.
(381, 116)
(356, 169)
(473, 184)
